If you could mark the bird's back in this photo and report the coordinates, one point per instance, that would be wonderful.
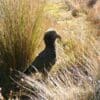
(44, 61)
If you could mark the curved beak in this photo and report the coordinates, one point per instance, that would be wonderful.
(59, 37)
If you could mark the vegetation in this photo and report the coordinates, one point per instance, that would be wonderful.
(76, 73)
(19, 35)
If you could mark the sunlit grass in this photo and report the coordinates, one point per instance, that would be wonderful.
(74, 75)
(21, 29)
(77, 69)
(20, 34)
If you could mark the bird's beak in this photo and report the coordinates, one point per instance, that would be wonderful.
(59, 37)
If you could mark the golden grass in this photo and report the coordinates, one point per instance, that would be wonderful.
(74, 75)
(22, 28)
(77, 69)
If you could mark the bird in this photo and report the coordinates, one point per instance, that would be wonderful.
(47, 58)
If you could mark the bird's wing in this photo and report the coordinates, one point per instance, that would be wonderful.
(40, 58)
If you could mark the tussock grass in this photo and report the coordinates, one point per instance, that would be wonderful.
(22, 27)
(77, 69)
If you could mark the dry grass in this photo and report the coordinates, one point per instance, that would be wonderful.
(21, 33)
(77, 69)
(75, 75)
(21, 29)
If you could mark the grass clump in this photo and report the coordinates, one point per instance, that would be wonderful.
(21, 23)
(19, 35)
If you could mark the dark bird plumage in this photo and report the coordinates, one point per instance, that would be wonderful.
(47, 58)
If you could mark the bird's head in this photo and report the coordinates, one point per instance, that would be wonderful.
(50, 37)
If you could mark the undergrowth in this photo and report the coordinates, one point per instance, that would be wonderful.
(19, 35)
(76, 72)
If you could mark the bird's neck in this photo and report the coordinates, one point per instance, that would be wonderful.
(50, 47)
